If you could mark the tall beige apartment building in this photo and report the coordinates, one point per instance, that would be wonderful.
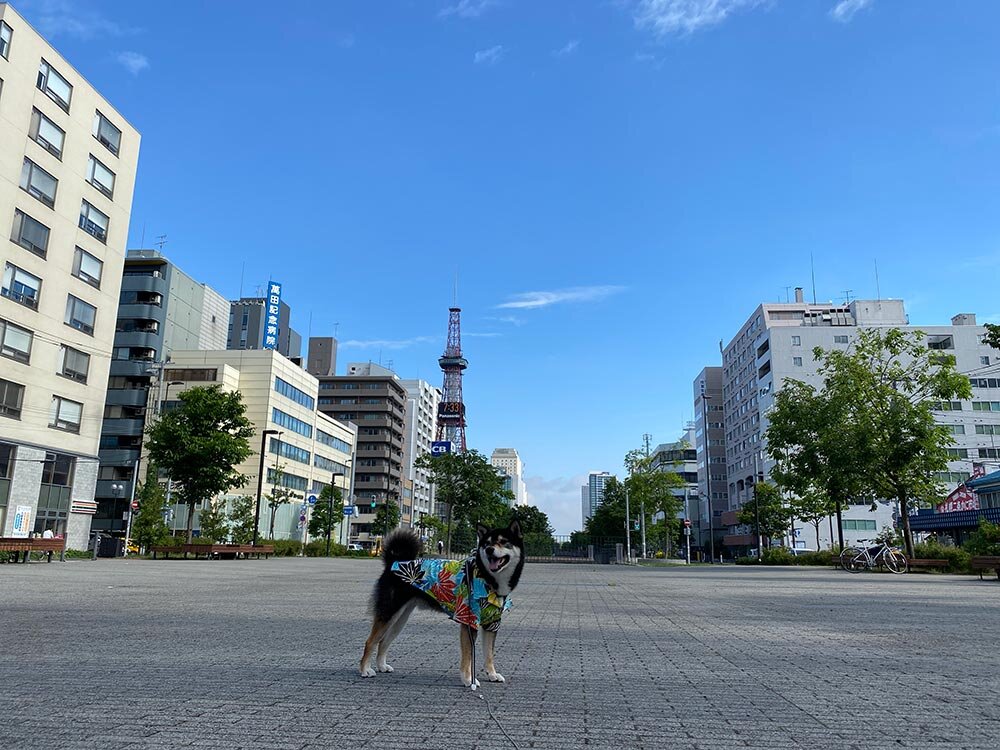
(67, 170)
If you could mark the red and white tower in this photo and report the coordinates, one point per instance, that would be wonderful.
(451, 410)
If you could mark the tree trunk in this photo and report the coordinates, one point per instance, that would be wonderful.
(904, 512)
(274, 512)
(816, 523)
(190, 522)
(840, 526)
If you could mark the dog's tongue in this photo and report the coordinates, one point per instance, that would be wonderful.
(495, 564)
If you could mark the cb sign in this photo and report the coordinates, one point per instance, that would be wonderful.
(440, 447)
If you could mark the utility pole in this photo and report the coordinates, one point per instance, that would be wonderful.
(628, 527)
(642, 510)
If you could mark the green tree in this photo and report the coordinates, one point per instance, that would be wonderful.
(532, 520)
(278, 496)
(992, 337)
(651, 492)
(891, 383)
(766, 512)
(200, 443)
(149, 526)
(608, 521)
(241, 520)
(819, 450)
(386, 518)
(327, 512)
(813, 506)
(213, 521)
(472, 490)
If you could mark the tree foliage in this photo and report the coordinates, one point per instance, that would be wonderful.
(327, 512)
(278, 496)
(813, 506)
(992, 337)
(149, 527)
(471, 488)
(766, 512)
(531, 519)
(241, 520)
(386, 518)
(213, 522)
(200, 443)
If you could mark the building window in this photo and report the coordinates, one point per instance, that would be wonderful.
(984, 360)
(989, 452)
(956, 477)
(797, 361)
(75, 364)
(957, 452)
(859, 525)
(57, 469)
(796, 341)
(289, 451)
(956, 429)
(94, 222)
(106, 133)
(38, 183)
(47, 134)
(87, 267)
(6, 32)
(65, 414)
(11, 396)
(54, 85)
(101, 177)
(15, 342)
(289, 391)
(21, 286)
(986, 405)
(30, 234)
(288, 421)
(206, 375)
(840, 339)
(292, 481)
(988, 429)
(333, 442)
(945, 405)
(80, 315)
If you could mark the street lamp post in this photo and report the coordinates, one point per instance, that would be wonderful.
(705, 398)
(116, 491)
(260, 481)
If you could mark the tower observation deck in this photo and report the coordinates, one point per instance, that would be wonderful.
(451, 410)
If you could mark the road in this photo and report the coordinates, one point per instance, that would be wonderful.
(149, 655)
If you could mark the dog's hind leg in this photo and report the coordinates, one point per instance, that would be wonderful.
(467, 642)
(489, 641)
(395, 625)
(378, 630)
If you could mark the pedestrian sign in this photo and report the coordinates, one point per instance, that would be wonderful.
(311, 500)
(348, 510)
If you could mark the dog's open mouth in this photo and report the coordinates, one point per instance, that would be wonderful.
(496, 563)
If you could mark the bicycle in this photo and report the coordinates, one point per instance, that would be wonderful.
(856, 559)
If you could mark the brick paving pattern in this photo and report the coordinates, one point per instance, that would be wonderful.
(150, 655)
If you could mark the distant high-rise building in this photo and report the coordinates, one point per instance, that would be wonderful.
(67, 169)
(321, 360)
(162, 310)
(712, 496)
(248, 327)
(422, 400)
(507, 461)
(593, 492)
(372, 397)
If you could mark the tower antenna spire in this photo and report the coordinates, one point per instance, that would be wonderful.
(451, 410)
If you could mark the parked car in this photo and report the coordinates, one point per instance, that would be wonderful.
(354, 547)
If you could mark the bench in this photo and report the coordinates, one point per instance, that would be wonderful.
(220, 551)
(17, 545)
(922, 562)
(986, 562)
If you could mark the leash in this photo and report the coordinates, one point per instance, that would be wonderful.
(472, 646)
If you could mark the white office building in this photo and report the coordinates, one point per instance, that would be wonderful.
(422, 401)
(509, 464)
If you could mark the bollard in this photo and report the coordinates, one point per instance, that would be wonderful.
(97, 543)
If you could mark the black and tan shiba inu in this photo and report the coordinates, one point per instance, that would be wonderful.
(474, 592)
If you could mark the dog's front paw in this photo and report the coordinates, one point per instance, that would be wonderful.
(468, 681)
(367, 672)
(495, 677)
(385, 668)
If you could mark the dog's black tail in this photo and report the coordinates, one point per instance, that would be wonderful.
(401, 544)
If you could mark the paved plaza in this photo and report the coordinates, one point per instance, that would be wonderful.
(149, 655)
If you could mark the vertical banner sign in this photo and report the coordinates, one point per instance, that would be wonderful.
(270, 340)
(22, 522)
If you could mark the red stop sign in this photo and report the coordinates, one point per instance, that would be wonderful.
(687, 523)
(135, 505)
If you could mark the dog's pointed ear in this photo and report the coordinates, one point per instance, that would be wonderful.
(515, 528)
(481, 531)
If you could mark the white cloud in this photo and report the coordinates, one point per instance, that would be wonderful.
(466, 9)
(55, 18)
(508, 319)
(386, 343)
(667, 17)
(489, 56)
(560, 499)
(844, 10)
(134, 62)
(527, 300)
(567, 49)
(466, 334)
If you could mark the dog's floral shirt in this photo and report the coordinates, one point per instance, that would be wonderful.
(467, 603)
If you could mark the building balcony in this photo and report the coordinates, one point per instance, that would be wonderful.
(374, 453)
(150, 283)
(127, 397)
(123, 426)
(140, 311)
(371, 484)
(119, 456)
(143, 339)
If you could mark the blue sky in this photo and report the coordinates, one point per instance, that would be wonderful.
(616, 183)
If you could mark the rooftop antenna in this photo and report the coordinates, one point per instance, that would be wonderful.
(812, 270)
(456, 289)
(878, 290)
(142, 242)
(310, 323)
(336, 327)
(847, 296)
(161, 241)
(243, 272)
(786, 294)
(646, 437)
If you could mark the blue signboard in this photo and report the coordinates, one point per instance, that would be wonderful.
(270, 340)
(440, 447)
